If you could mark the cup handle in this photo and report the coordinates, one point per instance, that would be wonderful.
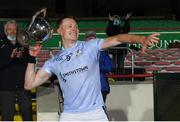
(36, 14)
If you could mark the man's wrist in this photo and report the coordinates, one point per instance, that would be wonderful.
(139, 40)
(143, 40)
(32, 59)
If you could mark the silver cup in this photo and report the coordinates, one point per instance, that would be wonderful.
(39, 30)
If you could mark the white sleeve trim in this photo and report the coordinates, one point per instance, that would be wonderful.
(46, 70)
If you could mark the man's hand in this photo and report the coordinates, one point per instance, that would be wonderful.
(128, 15)
(150, 40)
(111, 18)
(14, 53)
(19, 54)
(34, 51)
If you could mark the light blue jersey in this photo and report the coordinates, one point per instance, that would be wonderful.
(77, 69)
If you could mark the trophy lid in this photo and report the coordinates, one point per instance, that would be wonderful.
(39, 29)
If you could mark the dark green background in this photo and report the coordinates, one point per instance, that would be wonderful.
(137, 27)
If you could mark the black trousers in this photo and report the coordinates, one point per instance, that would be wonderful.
(104, 94)
(7, 104)
(119, 59)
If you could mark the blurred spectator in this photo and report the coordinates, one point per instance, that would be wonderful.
(105, 64)
(13, 65)
(116, 25)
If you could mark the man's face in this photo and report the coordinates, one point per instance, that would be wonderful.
(69, 30)
(11, 29)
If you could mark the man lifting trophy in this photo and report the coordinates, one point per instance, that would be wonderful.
(39, 30)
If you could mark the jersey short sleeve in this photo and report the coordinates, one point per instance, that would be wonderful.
(48, 66)
(97, 43)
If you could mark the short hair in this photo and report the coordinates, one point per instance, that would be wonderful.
(9, 22)
(64, 17)
(90, 33)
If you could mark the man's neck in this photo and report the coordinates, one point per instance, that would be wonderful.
(67, 44)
